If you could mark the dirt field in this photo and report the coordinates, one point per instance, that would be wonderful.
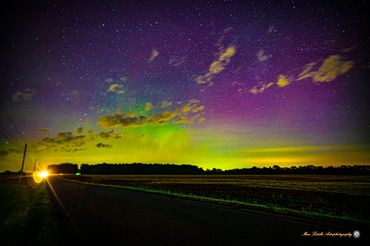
(341, 196)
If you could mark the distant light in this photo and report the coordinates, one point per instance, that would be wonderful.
(78, 174)
(44, 174)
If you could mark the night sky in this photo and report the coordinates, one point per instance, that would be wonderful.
(227, 84)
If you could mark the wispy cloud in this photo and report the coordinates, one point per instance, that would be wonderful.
(116, 88)
(217, 66)
(116, 84)
(165, 104)
(70, 142)
(24, 96)
(330, 68)
(65, 141)
(148, 106)
(282, 81)
(181, 114)
(102, 145)
(262, 56)
(110, 121)
(153, 55)
(260, 88)
(109, 135)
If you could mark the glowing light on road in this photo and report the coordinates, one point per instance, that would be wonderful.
(38, 177)
(44, 174)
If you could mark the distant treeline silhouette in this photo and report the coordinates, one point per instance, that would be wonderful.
(141, 168)
(63, 168)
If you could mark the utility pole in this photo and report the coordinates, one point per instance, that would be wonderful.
(34, 165)
(24, 156)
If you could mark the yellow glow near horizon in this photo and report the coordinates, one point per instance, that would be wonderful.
(218, 146)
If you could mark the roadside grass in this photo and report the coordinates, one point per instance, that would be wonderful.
(27, 214)
(231, 202)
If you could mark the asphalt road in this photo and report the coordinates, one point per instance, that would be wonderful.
(114, 216)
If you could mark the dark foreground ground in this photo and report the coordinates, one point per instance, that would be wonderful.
(345, 198)
(28, 215)
(105, 215)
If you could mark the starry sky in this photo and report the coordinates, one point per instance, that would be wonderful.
(225, 84)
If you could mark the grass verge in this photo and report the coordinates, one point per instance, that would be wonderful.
(28, 215)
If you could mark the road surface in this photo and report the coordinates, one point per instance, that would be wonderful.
(109, 215)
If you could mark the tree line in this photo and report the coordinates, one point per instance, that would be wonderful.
(63, 168)
(141, 168)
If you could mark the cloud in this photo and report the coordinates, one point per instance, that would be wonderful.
(331, 67)
(109, 134)
(185, 114)
(153, 55)
(24, 96)
(116, 88)
(110, 121)
(183, 120)
(165, 104)
(283, 81)
(197, 109)
(118, 78)
(201, 119)
(90, 135)
(148, 106)
(163, 117)
(217, 66)
(260, 88)
(307, 73)
(70, 142)
(63, 141)
(79, 130)
(101, 145)
(192, 106)
(261, 56)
